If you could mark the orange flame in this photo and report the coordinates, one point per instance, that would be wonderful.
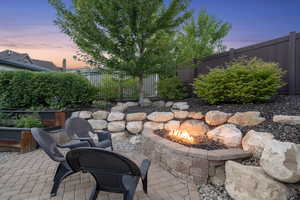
(182, 135)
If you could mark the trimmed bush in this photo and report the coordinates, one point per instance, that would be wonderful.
(51, 90)
(171, 88)
(244, 80)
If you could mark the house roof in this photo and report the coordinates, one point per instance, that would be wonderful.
(25, 58)
(22, 65)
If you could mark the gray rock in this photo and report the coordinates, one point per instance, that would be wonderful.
(85, 114)
(169, 104)
(136, 116)
(160, 116)
(287, 119)
(146, 102)
(158, 104)
(180, 106)
(116, 126)
(115, 116)
(252, 183)
(227, 134)
(99, 115)
(134, 127)
(281, 160)
(98, 124)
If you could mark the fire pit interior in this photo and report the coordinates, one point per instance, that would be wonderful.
(183, 137)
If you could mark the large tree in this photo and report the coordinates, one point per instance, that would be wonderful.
(123, 35)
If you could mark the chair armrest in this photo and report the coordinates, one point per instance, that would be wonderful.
(103, 135)
(87, 139)
(144, 168)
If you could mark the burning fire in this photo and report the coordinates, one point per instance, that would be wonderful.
(181, 135)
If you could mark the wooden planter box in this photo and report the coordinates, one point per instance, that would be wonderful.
(20, 138)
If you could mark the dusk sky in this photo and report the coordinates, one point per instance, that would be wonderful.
(27, 25)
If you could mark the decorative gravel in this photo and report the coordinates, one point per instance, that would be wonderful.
(212, 192)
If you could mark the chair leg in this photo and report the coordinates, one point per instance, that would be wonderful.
(60, 175)
(128, 195)
(94, 193)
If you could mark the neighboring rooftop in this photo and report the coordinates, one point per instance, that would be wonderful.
(24, 58)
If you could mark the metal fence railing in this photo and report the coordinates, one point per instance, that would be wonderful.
(120, 86)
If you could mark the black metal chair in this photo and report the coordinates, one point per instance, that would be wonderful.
(111, 171)
(78, 129)
(48, 144)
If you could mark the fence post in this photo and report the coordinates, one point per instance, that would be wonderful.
(292, 63)
(231, 54)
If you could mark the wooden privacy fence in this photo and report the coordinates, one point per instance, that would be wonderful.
(283, 50)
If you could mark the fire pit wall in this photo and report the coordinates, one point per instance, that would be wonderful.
(194, 164)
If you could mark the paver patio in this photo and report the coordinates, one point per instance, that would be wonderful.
(29, 177)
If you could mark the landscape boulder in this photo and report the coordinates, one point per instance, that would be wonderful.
(194, 127)
(215, 118)
(146, 102)
(172, 125)
(281, 160)
(115, 116)
(99, 115)
(178, 114)
(116, 126)
(180, 106)
(98, 124)
(169, 104)
(227, 134)
(252, 183)
(119, 108)
(160, 116)
(255, 142)
(287, 119)
(85, 114)
(134, 127)
(154, 125)
(131, 104)
(250, 118)
(136, 116)
(196, 115)
(158, 104)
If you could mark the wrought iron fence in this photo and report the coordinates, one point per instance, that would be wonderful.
(119, 85)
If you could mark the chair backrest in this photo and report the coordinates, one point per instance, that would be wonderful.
(78, 127)
(48, 144)
(100, 160)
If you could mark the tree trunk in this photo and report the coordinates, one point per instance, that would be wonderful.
(141, 90)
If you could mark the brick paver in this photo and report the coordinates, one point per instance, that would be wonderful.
(29, 177)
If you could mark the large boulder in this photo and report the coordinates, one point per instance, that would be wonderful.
(136, 116)
(255, 142)
(134, 127)
(281, 160)
(99, 115)
(287, 119)
(116, 126)
(130, 104)
(146, 102)
(85, 115)
(215, 117)
(194, 127)
(180, 106)
(227, 134)
(98, 124)
(250, 118)
(178, 114)
(160, 116)
(115, 116)
(251, 183)
(196, 115)
(154, 125)
(172, 125)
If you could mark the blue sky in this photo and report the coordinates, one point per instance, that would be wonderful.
(27, 25)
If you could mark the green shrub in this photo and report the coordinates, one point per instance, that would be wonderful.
(243, 80)
(114, 88)
(29, 121)
(55, 90)
(171, 88)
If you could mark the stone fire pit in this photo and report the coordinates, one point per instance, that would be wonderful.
(194, 164)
